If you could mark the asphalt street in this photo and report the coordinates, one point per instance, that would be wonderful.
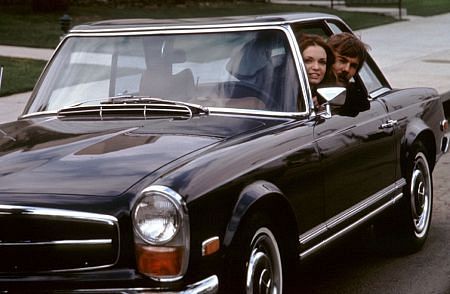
(410, 53)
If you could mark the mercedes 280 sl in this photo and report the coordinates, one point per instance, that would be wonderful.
(186, 156)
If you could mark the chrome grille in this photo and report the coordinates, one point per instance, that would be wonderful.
(47, 240)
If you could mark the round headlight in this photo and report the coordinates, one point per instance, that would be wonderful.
(157, 218)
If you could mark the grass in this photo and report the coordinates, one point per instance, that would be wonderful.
(26, 71)
(20, 26)
(427, 7)
(413, 7)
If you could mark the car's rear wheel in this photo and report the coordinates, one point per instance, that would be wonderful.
(409, 224)
(420, 196)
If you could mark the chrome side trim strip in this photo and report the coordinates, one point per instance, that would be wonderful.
(349, 213)
(313, 233)
(350, 227)
(59, 242)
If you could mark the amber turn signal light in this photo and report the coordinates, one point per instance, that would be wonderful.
(159, 262)
(210, 246)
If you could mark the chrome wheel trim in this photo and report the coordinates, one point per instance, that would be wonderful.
(421, 193)
(264, 272)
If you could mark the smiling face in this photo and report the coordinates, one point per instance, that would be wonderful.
(315, 58)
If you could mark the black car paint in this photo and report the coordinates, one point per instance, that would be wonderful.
(63, 152)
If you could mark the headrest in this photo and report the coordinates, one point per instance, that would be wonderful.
(247, 61)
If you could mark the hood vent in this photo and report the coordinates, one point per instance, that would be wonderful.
(127, 111)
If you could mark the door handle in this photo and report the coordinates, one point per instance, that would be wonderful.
(389, 124)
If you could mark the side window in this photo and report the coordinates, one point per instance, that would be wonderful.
(369, 79)
(334, 28)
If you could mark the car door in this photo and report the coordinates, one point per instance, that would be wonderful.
(357, 161)
(356, 146)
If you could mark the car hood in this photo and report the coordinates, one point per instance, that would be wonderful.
(102, 158)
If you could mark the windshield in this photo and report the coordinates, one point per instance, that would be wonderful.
(247, 69)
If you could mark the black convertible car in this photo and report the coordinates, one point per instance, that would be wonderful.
(186, 156)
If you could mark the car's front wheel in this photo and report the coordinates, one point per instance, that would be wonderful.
(261, 260)
(264, 269)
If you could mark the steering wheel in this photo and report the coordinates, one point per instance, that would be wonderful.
(241, 89)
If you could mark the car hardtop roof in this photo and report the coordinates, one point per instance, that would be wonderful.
(227, 21)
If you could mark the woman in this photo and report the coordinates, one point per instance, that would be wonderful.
(318, 59)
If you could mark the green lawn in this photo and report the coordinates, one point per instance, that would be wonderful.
(413, 7)
(427, 7)
(19, 75)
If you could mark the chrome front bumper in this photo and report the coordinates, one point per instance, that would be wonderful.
(206, 286)
(209, 285)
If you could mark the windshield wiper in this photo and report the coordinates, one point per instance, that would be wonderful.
(122, 99)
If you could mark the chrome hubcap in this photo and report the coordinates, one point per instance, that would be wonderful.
(264, 273)
(420, 195)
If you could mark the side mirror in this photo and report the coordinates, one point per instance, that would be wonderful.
(334, 97)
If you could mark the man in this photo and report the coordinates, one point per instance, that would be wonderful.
(350, 53)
